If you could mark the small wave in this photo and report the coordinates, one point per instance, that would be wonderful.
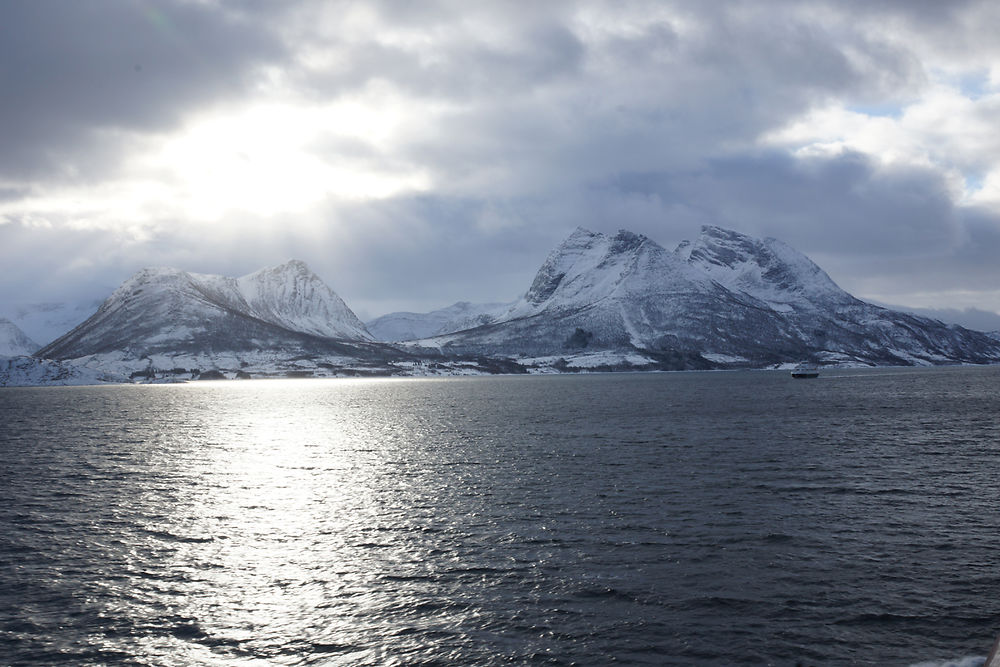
(323, 647)
(777, 537)
(884, 618)
(187, 630)
(171, 537)
(407, 577)
(605, 592)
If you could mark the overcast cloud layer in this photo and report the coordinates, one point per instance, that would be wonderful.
(415, 154)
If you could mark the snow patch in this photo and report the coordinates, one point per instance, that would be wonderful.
(31, 372)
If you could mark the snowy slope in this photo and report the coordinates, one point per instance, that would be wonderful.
(765, 269)
(590, 267)
(286, 310)
(294, 297)
(829, 322)
(456, 317)
(13, 341)
(30, 372)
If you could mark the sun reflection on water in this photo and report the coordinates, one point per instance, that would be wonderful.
(284, 540)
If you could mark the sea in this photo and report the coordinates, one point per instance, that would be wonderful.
(706, 518)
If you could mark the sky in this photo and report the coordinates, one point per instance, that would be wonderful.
(417, 154)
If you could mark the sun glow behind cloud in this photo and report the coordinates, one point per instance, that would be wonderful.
(269, 160)
(266, 159)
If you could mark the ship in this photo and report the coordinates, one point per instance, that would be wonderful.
(805, 370)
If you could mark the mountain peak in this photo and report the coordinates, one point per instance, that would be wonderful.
(766, 269)
(291, 295)
(13, 341)
(625, 240)
(581, 233)
(293, 266)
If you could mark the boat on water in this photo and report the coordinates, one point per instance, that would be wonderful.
(805, 370)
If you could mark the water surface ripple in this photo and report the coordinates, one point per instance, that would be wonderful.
(662, 519)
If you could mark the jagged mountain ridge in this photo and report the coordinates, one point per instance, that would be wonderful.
(171, 312)
(766, 269)
(725, 299)
(13, 341)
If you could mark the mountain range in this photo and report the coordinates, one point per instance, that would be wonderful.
(607, 302)
(724, 300)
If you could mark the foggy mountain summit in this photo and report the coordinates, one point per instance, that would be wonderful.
(13, 341)
(402, 326)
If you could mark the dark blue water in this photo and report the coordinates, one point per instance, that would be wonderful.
(664, 519)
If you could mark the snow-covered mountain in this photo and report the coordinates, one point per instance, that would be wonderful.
(456, 317)
(292, 296)
(621, 292)
(175, 317)
(598, 301)
(13, 341)
(726, 299)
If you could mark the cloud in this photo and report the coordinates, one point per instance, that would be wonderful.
(420, 153)
(76, 75)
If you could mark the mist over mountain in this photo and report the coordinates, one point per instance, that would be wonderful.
(13, 341)
(970, 318)
(402, 326)
(44, 322)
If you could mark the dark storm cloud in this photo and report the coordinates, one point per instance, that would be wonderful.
(843, 203)
(69, 70)
(899, 225)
